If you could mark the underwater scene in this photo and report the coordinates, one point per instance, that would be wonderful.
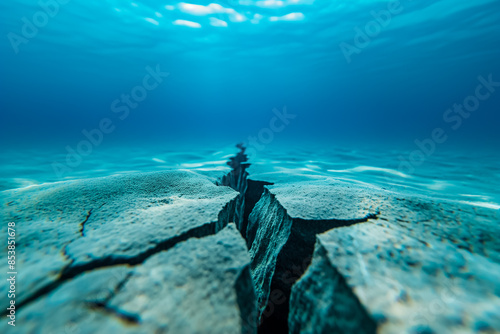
(250, 166)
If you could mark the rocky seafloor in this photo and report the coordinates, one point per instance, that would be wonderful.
(178, 252)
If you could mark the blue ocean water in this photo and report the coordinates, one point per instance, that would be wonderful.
(397, 93)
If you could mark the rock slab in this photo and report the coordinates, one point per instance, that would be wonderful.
(202, 285)
(382, 261)
(102, 230)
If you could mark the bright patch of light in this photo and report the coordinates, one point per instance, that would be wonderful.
(217, 23)
(199, 10)
(237, 17)
(210, 9)
(194, 9)
(190, 24)
(153, 21)
(256, 18)
(300, 2)
(133, 4)
(169, 7)
(158, 14)
(288, 17)
(270, 3)
(274, 3)
(216, 8)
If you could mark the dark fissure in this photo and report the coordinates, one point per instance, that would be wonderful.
(292, 262)
(296, 255)
(250, 190)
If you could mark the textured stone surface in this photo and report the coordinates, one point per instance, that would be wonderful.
(69, 227)
(293, 213)
(72, 307)
(152, 253)
(321, 302)
(378, 273)
(417, 265)
(201, 285)
(415, 247)
(326, 200)
(272, 228)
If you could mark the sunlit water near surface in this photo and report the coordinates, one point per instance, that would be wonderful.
(231, 62)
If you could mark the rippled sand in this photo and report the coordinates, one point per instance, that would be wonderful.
(474, 179)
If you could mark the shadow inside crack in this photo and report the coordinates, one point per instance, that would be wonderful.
(292, 262)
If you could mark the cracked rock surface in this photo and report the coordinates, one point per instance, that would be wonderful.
(383, 262)
(282, 231)
(159, 253)
(202, 285)
(378, 278)
(67, 228)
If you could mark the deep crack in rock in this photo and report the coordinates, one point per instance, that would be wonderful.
(347, 314)
(237, 180)
(255, 189)
(293, 260)
(295, 255)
